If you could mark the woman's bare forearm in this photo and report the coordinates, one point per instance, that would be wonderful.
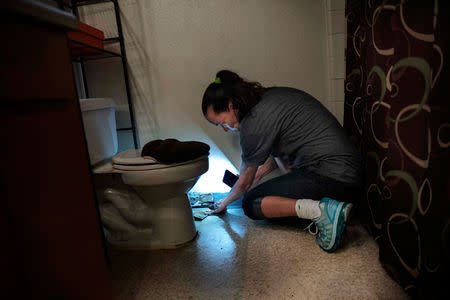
(242, 185)
(266, 168)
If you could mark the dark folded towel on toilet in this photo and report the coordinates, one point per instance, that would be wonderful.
(171, 151)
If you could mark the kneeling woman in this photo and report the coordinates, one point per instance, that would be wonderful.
(288, 128)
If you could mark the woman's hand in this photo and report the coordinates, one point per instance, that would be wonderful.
(217, 208)
(241, 186)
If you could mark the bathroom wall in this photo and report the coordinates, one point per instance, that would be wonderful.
(174, 49)
(336, 43)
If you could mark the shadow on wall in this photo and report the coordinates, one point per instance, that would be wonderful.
(148, 87)
(141, 70)
(144, 79)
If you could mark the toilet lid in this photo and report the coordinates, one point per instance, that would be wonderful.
(133, 157)
(131, 160)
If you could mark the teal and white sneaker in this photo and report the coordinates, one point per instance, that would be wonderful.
(331, 223)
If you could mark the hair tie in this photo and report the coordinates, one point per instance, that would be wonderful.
(218, 81)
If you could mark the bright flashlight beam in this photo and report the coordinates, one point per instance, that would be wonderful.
(211, 181)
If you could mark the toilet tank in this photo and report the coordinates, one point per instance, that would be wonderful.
(99, 122)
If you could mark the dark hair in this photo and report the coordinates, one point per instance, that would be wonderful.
(242, 94)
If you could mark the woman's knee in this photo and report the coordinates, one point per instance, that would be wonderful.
(252, 207)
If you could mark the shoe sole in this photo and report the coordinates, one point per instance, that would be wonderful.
(348, 214)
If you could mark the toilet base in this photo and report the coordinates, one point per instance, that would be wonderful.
(148, 209)
(148, 217)
(140, 245)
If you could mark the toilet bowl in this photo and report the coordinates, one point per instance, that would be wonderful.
(143, 204)
(154, 213)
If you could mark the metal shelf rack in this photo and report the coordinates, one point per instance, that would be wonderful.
(103, 53)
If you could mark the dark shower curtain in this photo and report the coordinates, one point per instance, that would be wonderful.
(397, 110)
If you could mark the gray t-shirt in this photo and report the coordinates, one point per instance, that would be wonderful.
(293, 125)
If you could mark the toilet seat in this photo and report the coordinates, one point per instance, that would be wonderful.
(132, 157)
(131, 160)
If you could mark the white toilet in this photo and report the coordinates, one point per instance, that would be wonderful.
(143, 204)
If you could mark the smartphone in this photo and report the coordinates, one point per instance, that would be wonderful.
(229, 178)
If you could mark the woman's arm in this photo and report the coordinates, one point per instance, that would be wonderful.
(265, 169)
(246, 177)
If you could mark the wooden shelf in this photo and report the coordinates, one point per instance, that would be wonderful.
(89, 2)
(96, 53)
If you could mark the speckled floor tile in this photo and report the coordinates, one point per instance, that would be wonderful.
(235, 257)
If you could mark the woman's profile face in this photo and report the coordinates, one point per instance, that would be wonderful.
(227, 119)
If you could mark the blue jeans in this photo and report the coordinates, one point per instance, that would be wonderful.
(300, 184)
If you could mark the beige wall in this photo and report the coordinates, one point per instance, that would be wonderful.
(336, 41)
(175, 48)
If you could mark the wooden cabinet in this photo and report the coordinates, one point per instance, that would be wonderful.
(52, 244)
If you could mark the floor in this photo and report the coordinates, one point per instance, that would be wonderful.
(235, 257)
